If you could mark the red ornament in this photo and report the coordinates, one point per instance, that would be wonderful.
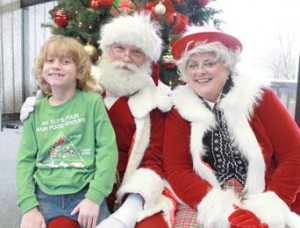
(61, 19)
(181, 23)
(106, 2)
(202, 2)
(169, 64)
(95, 4)
(149, 6)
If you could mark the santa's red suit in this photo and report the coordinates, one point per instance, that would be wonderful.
(135, 110)
(265, 134)
(138, 121)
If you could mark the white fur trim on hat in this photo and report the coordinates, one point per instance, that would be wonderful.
(137, 29)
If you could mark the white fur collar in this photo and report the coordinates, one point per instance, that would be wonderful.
(242, 97)
(147, 99)
(238, 106)
(143, 102)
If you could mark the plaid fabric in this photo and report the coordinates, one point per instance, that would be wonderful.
(233, 184)
(186, 217)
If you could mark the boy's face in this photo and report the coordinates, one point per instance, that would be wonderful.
(60, 72)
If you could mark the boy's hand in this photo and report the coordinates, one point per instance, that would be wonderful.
(33, 219)
(88, 213)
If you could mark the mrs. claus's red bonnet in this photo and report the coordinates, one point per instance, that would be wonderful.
(207, 34)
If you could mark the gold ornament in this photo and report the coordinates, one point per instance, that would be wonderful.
(92, 52)
(160, 9)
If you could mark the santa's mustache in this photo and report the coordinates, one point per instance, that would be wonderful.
(125, 66)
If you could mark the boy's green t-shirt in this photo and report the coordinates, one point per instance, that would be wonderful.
(66, 147)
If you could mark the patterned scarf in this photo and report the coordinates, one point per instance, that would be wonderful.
(221, 153)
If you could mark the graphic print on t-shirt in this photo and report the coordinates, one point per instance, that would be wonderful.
(63, 154)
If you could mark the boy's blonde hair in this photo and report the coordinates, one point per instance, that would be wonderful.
(59, 45)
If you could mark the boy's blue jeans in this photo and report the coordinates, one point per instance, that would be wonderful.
(52, 206)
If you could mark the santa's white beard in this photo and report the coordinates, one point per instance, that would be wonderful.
(118, 82)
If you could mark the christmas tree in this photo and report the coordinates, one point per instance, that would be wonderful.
(82, 19)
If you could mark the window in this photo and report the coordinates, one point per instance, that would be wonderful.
(269, 31)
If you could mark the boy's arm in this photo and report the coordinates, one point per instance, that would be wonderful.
(25, 167)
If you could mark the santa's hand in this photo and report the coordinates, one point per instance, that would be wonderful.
(29, 104)
(244, 218)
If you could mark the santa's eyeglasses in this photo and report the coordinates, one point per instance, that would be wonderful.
(134, 54)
